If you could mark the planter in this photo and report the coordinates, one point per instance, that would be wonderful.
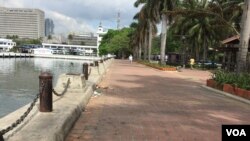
(213, 84)
(229, 88)
(242, 93)
(168, 69)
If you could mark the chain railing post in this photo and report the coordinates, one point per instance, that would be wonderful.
(45, 85)
(96, 63)
(1, 137)
(85, 69)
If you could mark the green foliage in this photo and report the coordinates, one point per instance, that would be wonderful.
(116, 42)
(70, 37)
(14, 37)
(49, 37)
(14, 49)
(155, 65)
(173, 42)
(21, 42)
(83, 43)
(241, 80)
(156, 45)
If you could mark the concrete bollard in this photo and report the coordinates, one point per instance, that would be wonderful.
(1, 137)
(45, 85)
(96, 63)
(85, 69)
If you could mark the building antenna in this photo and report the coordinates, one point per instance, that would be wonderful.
(118, 20)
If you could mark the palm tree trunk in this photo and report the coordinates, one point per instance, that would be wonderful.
(164, 29)
(139, 51)
(145, 48)
(244, 38)
(197, 57)
(135, 52)
(150, 41)
(204, 50)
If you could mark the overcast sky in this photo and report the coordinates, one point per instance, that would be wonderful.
(80, 15)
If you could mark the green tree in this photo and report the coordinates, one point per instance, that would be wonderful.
(83, 43)
(116, 42)
(70, 38)
(49, 38)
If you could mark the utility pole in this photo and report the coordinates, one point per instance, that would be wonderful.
(118, 20)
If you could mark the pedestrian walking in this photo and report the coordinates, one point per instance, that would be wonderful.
(192, 61)
(130, 58)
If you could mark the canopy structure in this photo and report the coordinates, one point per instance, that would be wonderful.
(230, 47)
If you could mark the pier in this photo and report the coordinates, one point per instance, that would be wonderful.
(54, 56)
(15, 55)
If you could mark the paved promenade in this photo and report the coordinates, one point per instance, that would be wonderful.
(145, 104)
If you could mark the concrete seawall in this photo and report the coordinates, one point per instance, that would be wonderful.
(54, 126)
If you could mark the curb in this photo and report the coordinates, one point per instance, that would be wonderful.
(56, 125)
(227, 94)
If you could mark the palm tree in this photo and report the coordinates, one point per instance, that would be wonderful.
(147, 20)
(152, 19)
(205, 22)
(143, 29)
(134, 40)
(166, 20)
(244, 38)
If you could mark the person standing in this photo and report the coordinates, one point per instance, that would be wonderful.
(192, 61)
(130, 58)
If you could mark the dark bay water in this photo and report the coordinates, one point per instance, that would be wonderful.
(19, 79)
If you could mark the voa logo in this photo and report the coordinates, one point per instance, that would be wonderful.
(236, 132)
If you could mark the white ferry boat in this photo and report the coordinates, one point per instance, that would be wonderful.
(42, 51)
(6, 44)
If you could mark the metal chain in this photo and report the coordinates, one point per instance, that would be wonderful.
(25, 114)
(64, 91)
(21, 118)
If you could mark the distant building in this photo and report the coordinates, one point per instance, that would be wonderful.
(23, 22)
(100, 33)
(49, 27)
(87, 39)
(6, 44)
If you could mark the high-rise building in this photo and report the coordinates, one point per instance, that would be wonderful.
(23, 22)
(49, 27)
(87, 39)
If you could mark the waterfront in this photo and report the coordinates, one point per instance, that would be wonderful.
(19, 79)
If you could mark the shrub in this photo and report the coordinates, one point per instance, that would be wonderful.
(155, 64)
(241, 80)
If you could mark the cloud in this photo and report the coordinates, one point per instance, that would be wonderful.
(80, 15)
(65, 24)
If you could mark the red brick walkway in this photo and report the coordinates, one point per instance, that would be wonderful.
(144, 104)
